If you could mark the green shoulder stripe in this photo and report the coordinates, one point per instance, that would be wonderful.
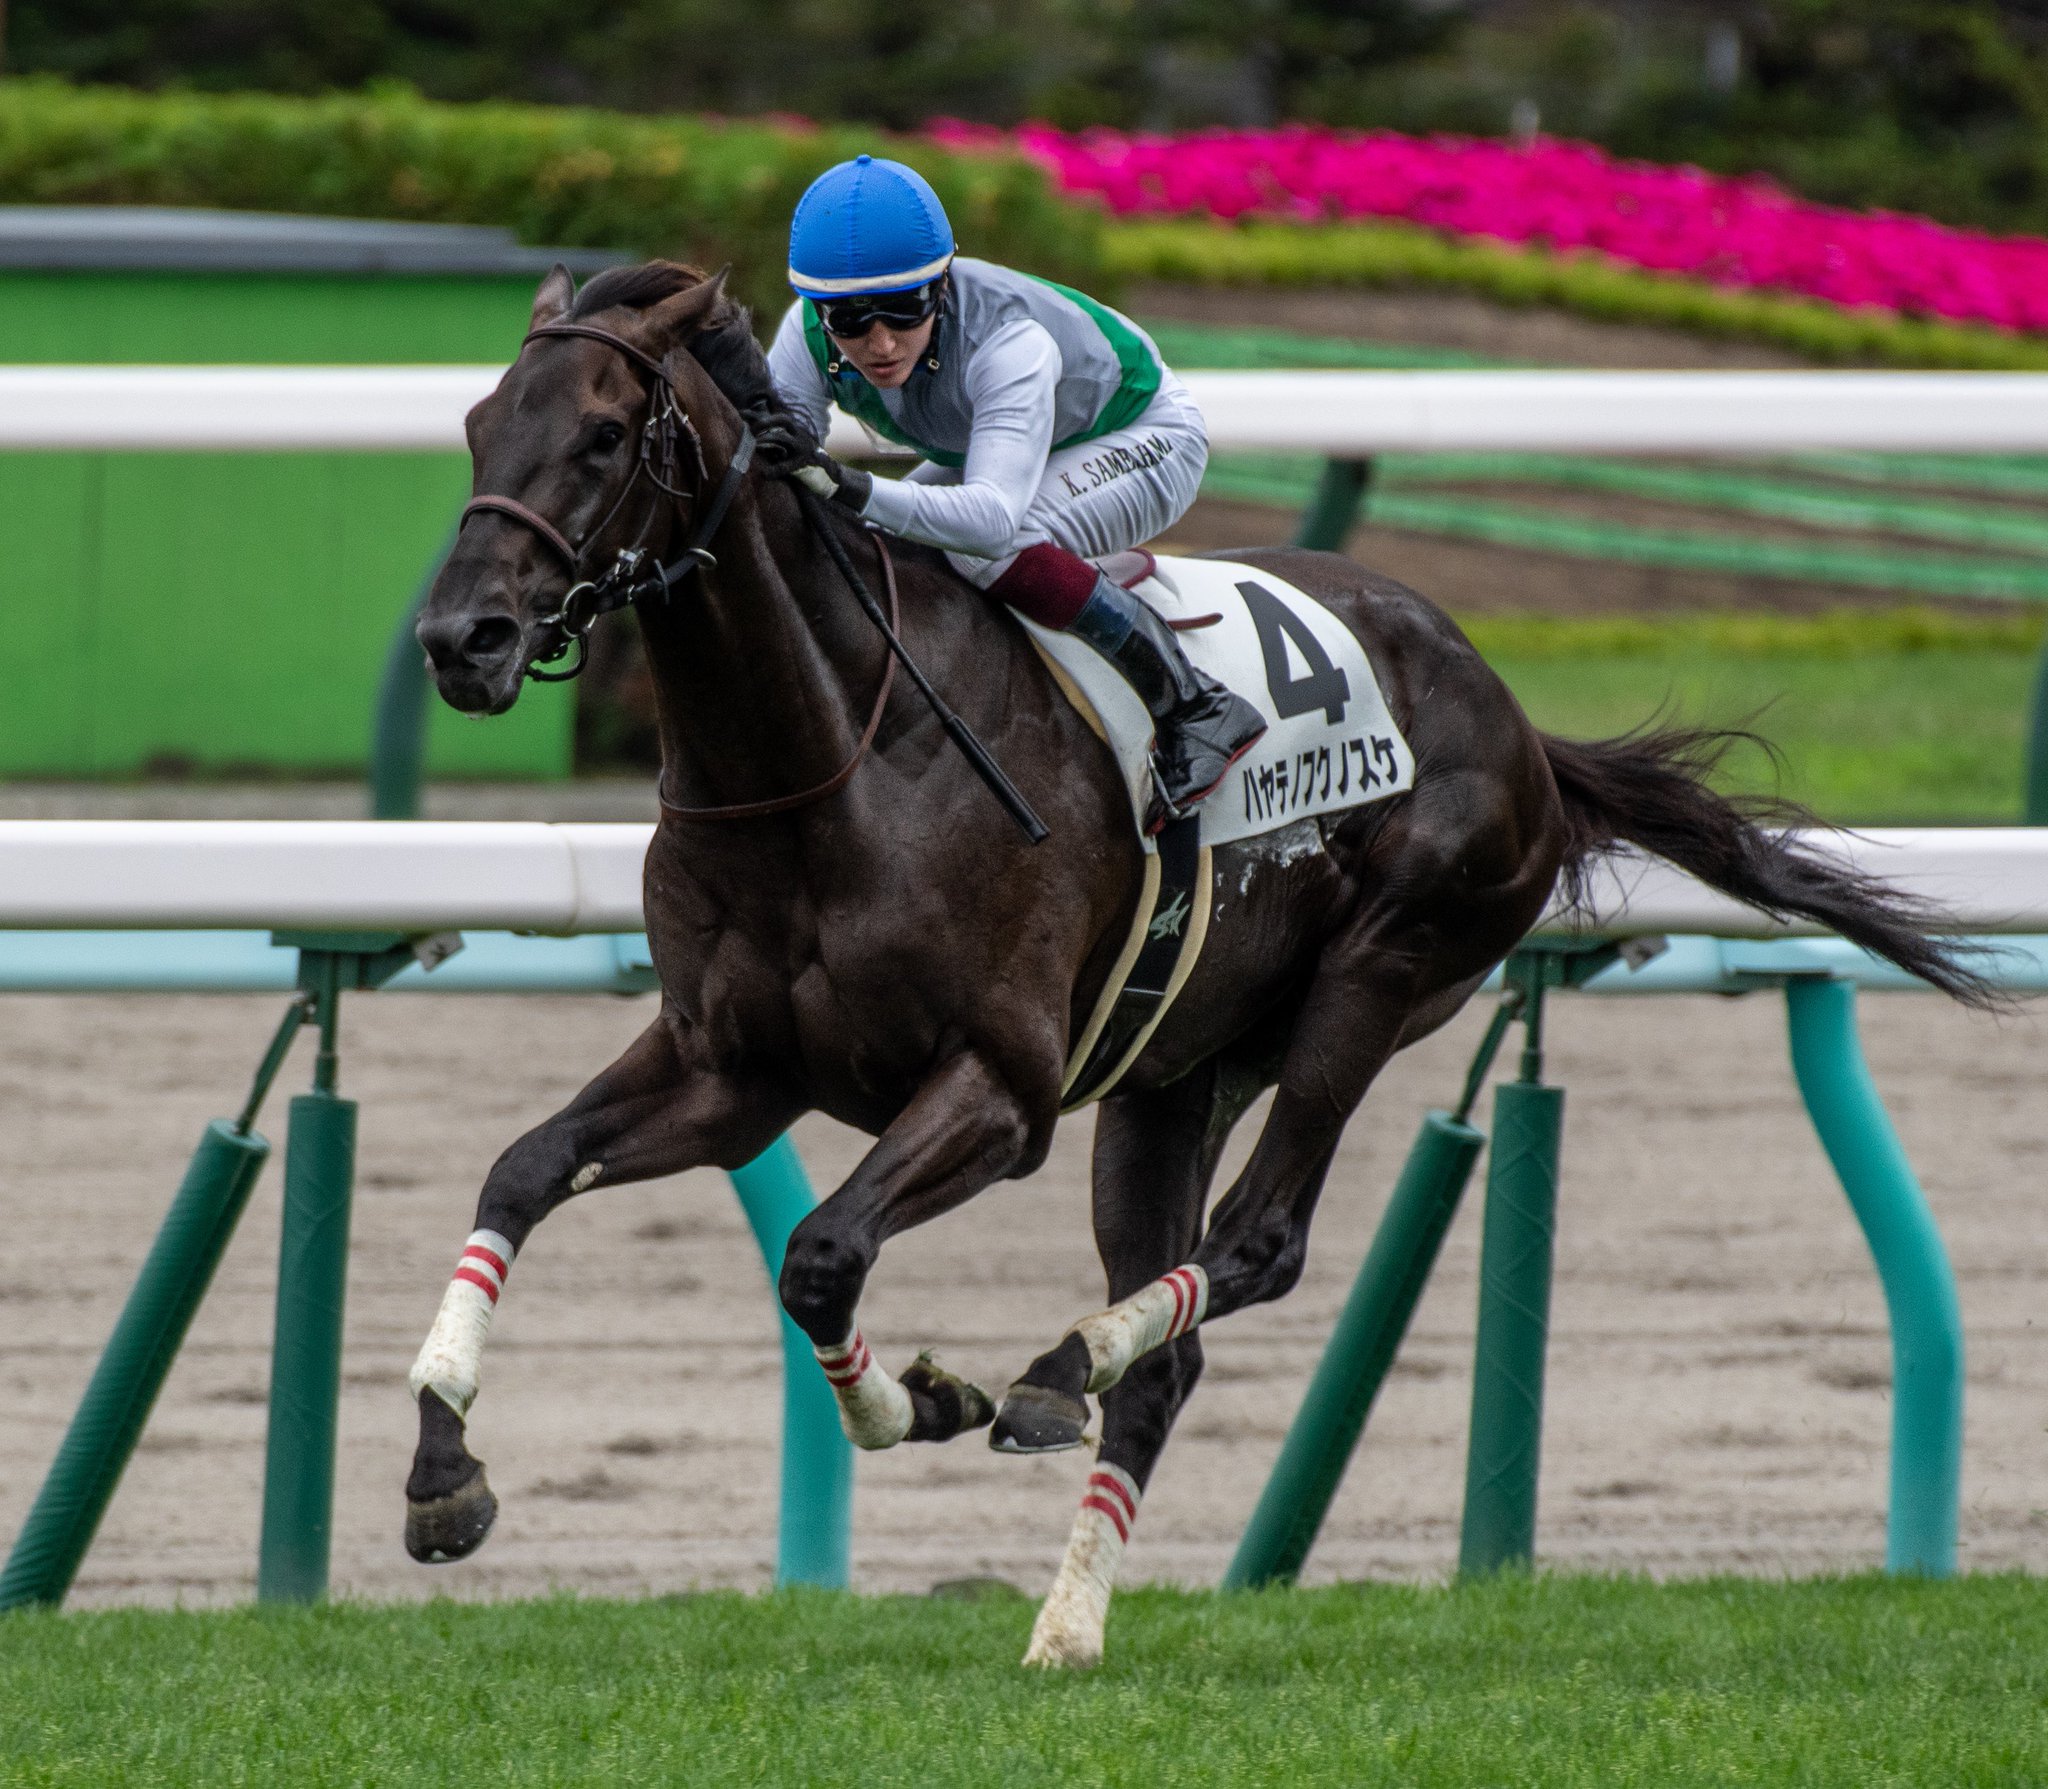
(1141, 368)
(859, 399)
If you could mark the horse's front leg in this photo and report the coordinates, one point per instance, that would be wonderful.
(963, 1129)
(657, 1110)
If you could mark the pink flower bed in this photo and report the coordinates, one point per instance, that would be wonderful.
(1562, 195)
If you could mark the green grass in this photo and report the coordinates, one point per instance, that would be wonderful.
(1864, 1682)
(1889, 717)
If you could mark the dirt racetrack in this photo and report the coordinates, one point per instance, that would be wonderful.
(1719, 1381)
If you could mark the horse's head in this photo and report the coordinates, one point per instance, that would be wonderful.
(561, 438)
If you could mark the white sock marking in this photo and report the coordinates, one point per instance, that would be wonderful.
(586, 1177)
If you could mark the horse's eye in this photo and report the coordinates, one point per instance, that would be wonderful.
(608, 436)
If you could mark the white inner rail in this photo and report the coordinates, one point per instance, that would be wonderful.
(1343, 414)
(430, 876)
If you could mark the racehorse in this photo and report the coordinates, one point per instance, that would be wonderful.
(842, 920)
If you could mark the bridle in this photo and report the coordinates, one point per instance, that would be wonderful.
(632, 577)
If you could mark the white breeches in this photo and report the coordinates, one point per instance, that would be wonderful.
(1103, 496)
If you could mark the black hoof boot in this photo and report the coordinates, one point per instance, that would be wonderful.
(943, 1404)
(1035, 1419)
(449, 1508)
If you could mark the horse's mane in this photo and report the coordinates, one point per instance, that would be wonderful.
(723, 344)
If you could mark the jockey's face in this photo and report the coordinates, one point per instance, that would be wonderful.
(886, 357)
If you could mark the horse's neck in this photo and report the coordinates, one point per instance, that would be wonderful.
(758, 666)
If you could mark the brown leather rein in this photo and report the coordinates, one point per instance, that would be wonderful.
(632, 580)
(781, 804)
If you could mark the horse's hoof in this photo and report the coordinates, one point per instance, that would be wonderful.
(1064, 1652)
(439, 1530)
(1037, 1420)
(943, 1404)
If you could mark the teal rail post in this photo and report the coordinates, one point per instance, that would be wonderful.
(398, 727)
(814, 1544)
(1515, 1257)
(1919, 1287)
(2036, 813)
(1367, 1336)
(1340, 494)
(298, 1487)
(312, 1274)
(138, 1356)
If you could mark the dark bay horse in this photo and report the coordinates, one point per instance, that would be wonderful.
(895, 954)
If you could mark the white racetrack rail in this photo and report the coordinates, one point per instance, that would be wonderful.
(429, 876)
(420, 408)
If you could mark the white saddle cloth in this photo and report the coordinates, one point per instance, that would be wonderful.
(1330, 742)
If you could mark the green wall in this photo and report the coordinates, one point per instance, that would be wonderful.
(230, 612)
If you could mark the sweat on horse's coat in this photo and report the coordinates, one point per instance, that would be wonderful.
(451, 1359)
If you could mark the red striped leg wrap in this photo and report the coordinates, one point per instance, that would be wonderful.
(1112, 1492)
(874, 1410)
(845, 1364)
(486, 1260)
(1069, 1626)
(1169, 1307)
(452, 1358)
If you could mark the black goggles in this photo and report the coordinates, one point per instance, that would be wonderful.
(852, 318)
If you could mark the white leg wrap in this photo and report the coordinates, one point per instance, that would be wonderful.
(873, 1409)
(1169, 1307)
(452, 1357)
(1068, 1631)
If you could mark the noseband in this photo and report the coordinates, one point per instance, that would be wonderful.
(630, 578)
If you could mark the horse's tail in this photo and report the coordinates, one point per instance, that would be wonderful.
(1649, 788)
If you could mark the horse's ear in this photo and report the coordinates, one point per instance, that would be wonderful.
(673, 319)
(557, 293)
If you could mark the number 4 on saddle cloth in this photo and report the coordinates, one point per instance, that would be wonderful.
(1329, 744)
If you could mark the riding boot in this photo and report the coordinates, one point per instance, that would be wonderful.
(1201, 728)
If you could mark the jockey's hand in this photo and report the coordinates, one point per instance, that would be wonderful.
(843, 484)
(782, 441)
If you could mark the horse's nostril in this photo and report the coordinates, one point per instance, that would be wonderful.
(492, 638)
(451, 642)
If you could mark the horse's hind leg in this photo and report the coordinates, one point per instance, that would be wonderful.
(653, 1112)
(1155, 1154)
(963, 1129)
(1363, 1004)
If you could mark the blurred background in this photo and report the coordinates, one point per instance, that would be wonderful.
(1407, 182)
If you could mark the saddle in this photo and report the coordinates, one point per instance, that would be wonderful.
(1330, 744)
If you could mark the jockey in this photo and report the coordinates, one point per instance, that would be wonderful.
(1051, 433)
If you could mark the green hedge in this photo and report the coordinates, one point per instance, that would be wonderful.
(714, 190)
(1392, 254)
(699, 189)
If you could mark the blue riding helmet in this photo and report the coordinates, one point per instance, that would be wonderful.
(865, 227)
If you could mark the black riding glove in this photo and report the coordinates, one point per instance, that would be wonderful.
(843, 484)
(782, 441)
